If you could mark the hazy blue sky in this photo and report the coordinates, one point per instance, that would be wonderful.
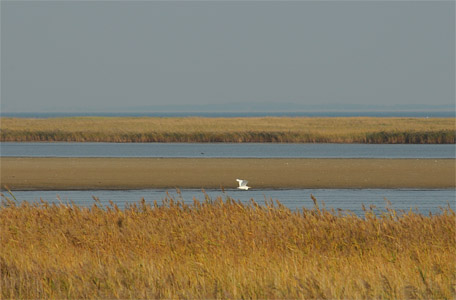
(105, 56)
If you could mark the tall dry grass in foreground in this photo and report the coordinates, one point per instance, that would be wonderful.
(223, 249)
(234, 130)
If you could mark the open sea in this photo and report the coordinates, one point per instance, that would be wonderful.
(347, 113)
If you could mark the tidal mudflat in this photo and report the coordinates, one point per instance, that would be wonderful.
(139, 173)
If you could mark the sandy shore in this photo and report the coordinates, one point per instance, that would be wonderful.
(139, 173)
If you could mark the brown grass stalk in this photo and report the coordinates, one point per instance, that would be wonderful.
(220, 248)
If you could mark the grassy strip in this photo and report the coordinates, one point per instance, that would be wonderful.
(232, 130)
(426, 137)
(223, 249)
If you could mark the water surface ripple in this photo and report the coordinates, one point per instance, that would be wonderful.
(347, 199)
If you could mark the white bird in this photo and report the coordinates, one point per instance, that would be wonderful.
(242, 184)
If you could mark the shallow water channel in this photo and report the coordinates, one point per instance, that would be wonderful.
(347, 199)
(424, 201)
(227, 150)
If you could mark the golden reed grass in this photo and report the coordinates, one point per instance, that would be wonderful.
(235, 130)
(223, 249)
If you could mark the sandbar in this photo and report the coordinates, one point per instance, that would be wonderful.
(27, 173)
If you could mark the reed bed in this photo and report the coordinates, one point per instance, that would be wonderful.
(220, 248)
(233, 130)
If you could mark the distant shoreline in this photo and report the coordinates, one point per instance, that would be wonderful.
(419, 113)
(142, 173)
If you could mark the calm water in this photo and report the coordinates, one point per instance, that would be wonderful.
(245, 150)
(347, 199)
(443, 113)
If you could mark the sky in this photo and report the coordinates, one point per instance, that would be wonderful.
(110, 56)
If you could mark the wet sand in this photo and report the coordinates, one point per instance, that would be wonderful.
(140, 173)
